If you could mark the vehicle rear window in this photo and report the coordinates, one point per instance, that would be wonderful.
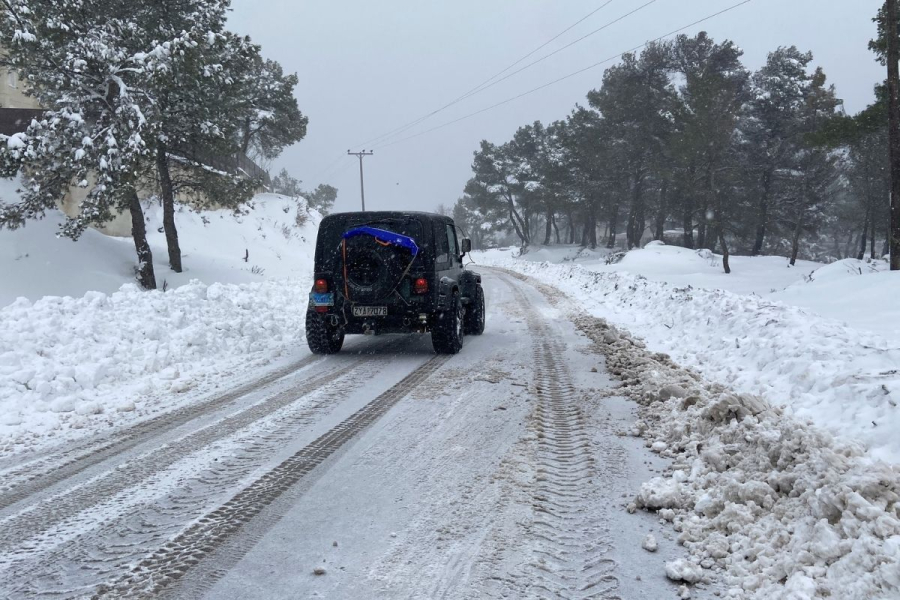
(332, 230)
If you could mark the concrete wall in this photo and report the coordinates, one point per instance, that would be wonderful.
(12, 92)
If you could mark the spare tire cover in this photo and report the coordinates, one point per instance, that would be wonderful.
(373, 269)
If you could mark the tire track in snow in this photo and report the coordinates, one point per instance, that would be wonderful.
(25, 528)
(76, 566)
(570, 545)
(26, 480)
(170, 563)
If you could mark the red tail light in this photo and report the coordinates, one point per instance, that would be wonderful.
(321, 286)
(420, 286)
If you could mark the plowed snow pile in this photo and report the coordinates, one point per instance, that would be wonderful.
(770, 506)
(78, 362)
(74, 360)
(820, 370)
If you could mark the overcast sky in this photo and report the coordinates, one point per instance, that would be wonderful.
(368, 67)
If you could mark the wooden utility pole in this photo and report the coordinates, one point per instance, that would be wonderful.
(893, 56)
(362, 188)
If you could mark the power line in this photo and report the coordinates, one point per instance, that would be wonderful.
(328, 168)
(564, 77)
(569, 45)
(541, 47)
(484, 83)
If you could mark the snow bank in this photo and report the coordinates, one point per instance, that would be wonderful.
(821, 370)
(67, 362)
(765, 504)
(864, 294)
(673, 264)
(214, 243)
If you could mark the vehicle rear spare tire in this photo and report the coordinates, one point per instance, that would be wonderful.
(321, 337)
(447, 333)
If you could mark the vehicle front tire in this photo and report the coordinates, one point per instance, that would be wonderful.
(447, 334)
(321, 337)
(475, 313)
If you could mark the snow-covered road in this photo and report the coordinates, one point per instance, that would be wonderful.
(381, 472)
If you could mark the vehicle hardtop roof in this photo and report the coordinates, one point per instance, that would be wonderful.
(376, 215)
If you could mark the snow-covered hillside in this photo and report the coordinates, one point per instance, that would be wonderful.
(837, 369)
(836, 291)
(35, 263)
(82, 347)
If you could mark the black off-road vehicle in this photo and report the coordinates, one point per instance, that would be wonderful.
(392, 272)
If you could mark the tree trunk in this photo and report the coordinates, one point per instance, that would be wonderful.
(548, 228)
(515, 225)
(145, 275)
(762, 215)
(872, 241)
(662, 213)
(701, 231)
(556, 229)
(893, 69)
(714, 234)
(571, 228)
(245, 136)
(635, 226)
(519, 224)
(795, 242)
(865, 231)
(851, 242)
(613, 221)
(687, 224)
(593, 225)
(168, 202)
(725, 254)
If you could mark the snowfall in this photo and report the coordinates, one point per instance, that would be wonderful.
(773, 390)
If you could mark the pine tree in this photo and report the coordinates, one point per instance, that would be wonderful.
(496, 181)
(322, 198)
(636, 101)
(218, 100)
(772, 129)
(84, 65)
(272, 121)
(714, 90)
(815, 165)
(195, 105)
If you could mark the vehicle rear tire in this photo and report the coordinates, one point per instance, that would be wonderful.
(321, 337)
(447, 334)
(475, 313)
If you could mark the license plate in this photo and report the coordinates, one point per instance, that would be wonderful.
(370, 311)
(323, 299)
